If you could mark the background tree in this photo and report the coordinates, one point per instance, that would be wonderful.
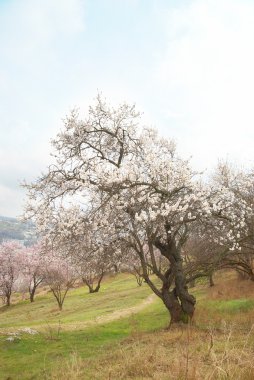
(60, 276)
(76, 239)
(92, 270)
(9, 268)
(241, 184)
(33, 268)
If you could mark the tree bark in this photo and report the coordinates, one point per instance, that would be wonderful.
(211, 282)
(173, 305)
(187, 300)
(8, 300)
(32, 293)
(139, 278)
(90, 285)
(115, 268)
(94, 290)
(179, 302)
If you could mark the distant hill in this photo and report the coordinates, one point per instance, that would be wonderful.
(14, 229)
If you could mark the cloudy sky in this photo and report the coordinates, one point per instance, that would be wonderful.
(188, 65)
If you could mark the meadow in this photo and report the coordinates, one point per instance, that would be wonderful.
(121, 333)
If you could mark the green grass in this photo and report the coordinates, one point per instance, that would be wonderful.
(79, 306)
(34, 356)
(42, 353)
(230, 306)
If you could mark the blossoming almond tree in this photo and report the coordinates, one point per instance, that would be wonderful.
(77, 239)
(10, 254)
(32, 268)
(226, 239)
(60, 276)
(133, 188)
(240, 255)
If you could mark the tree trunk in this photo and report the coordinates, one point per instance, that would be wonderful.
(179, 302)
(90, 285)
(32, 293)
(139, 279)
(60, 306)
(173, 305)
(116, 268)
(181, 290)
(94, 290)
(8, 300)
(211, 282)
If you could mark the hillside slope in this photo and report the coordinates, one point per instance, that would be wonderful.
(120, 333)
(13, 229)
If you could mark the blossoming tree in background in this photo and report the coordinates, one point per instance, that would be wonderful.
(60, 276)
(10, 259)
(239, 256)
(32, 268)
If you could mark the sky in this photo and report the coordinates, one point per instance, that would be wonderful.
(188, 65)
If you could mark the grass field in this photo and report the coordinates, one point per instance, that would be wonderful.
(119, 333)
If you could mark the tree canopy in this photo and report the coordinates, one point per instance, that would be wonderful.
(116, 189)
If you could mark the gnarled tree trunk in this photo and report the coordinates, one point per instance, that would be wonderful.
(180, 304)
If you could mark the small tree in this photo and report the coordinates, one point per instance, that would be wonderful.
(76, 239)
(33, 268)
(130, 262)
(92, 266)
(9, 268)
(60, 277)
(233, 239)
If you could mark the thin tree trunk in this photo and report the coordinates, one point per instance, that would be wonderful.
(92, 290)
(139, 278)
(90, 285)
(32, 293)
(211, 282)
(115, 268)
(8, 300)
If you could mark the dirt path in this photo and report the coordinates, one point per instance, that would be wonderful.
(125, 312)
(115, 315)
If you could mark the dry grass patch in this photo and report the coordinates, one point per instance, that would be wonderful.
(229, 286)
(178, 354)
(219, 345)
(183, 354)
